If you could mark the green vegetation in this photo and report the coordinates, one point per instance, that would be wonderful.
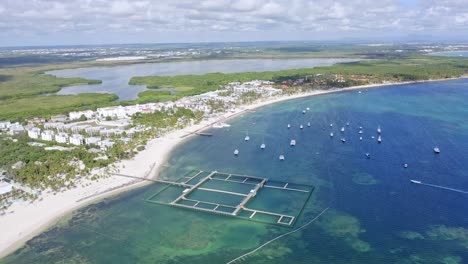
(160, 120)
(16, 84)
(364, 179)
(42, 168)
(150, 97)
(46, 106)
(375, 71)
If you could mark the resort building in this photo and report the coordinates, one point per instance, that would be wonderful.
(77, 115)
(16, 129)
(76, 139)
(47, 135)
(92, 140)
(61, 138)
(58, 118)
(5, 124)
(34, 132)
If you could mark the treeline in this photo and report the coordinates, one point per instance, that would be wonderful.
(46, 106)
(40, 169)
(411, 69)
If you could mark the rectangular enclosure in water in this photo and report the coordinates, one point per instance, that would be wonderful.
(248, 197)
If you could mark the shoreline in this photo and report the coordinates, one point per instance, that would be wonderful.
(18, 226)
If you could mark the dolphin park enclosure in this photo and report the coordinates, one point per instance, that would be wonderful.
(252, 198)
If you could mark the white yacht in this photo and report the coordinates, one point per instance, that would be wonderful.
(293, 142)
(247, 138)
(436, 150)
(236, 152)
(414, 181)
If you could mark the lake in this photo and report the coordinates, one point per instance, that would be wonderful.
(376, 214)
(115, 79)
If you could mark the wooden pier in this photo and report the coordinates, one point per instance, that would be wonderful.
(184, 200)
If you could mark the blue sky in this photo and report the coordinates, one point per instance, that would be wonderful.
(57, 22)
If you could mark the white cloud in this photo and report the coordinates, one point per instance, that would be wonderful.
(360, 18)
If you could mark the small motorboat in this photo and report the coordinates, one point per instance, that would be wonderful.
(379, 139)
(405, 165)
(301, 126)
(289, 126)
(436, 150)
(281, 157)
(368, 155)
(263, 146)
(293, 142)
(331, 134)
(343, 140)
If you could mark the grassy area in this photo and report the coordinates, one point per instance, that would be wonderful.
(411, 69)
(50, 105)
(21, 84)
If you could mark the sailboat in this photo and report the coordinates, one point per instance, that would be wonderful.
(281, 157)
(289, 126)
(436, 150)
(342, 129)
(263, 146)
(301, 126)
(308, 124)
(236, 152)
(331, 134)
(293, 142)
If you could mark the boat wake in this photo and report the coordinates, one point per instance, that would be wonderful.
(440, 187)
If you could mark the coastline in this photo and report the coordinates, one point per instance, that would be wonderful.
(25, 220)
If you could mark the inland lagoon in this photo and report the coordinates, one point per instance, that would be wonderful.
(115, 79)
(375, 215)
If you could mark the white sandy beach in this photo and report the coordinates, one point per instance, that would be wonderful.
(24, 220)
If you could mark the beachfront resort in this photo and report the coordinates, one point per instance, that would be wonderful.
(97, 131)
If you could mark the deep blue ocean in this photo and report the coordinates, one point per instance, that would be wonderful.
(376, 214)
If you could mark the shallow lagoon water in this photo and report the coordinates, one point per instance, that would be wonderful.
(376, 215)
(115, 79)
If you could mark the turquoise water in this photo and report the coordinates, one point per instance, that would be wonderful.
(115, 79)
(376, 215)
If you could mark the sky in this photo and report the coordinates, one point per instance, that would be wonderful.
(70, 22)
